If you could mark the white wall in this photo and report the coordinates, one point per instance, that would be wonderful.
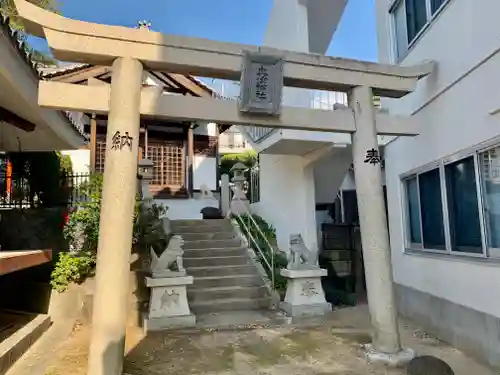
(453, 108)
(233, 141)
(329, 173)
(205, 128)
(204, 172)
(205, 168)
(186, 209)
(80, 160)
(289, 29)
(349, 183)
(287, 198)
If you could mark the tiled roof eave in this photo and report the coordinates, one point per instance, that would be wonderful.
(19, 45)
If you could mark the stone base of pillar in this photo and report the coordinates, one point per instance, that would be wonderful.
(168, 304)
(393, 360)
(304, 293)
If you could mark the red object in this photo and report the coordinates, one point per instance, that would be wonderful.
(9, 178)
(65, 219)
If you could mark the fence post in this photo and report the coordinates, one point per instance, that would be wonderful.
(225, 196)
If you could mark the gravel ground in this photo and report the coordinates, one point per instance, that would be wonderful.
(335, 347)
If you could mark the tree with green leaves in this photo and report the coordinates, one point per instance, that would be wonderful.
(227, 161)
(8, 9)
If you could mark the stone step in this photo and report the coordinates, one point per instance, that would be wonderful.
(216, 252)
(212, 244)
(21, 335)
(228, 235)
(232, 292)
(183, 230)
(226, 281)
(220, 271)
(200, 222)
(237, 260)
(229, 304)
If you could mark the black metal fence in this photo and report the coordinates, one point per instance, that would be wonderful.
(17, 191)
(78, 187)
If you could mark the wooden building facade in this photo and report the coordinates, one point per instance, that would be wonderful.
(171, 146)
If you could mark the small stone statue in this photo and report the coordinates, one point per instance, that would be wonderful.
(300, 256)
(170, 261)
(206, 193)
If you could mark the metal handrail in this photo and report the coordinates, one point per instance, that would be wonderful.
(249, 233)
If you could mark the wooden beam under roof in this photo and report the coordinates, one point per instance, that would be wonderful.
(80, 74)
(15, 120)
(178, 83)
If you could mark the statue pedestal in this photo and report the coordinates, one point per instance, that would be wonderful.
(239, 203)
(239, 206)
(304, 292)
(168, 304)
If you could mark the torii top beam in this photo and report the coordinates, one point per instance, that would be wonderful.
(78, 41)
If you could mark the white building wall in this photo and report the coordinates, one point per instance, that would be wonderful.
(233, 141)
(204, 172)
(287, 198)
(287, 188)
(186, 209)
(287, 29)
(283, 33)
(204, 167)
(349, 183)
(453, 107)
(329, 174)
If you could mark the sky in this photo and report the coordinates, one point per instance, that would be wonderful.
(238, 21)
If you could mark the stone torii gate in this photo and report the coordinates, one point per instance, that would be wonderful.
(129, 51)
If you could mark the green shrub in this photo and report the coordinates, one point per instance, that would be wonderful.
(82, 233)
(257, 242)
(66, 165)
(82, 229)
(227, 161)
(148, 229)
(71, 268)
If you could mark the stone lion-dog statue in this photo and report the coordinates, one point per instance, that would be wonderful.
(300, 256)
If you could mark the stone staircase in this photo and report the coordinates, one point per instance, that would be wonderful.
(225, 278)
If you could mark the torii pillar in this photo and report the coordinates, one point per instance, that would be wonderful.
(386, 344)
(109, 316)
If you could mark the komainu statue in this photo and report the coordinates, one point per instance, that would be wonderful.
(170, 261)
(300, 256)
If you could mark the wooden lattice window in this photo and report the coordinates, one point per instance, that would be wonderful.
(100, 152)
(168, 158)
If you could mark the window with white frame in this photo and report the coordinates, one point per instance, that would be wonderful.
(409, 19)
(454, 206)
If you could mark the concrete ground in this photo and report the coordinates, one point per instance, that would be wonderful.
(271, 346)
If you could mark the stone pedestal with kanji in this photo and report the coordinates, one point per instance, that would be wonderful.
(168, 304)
(304, 292)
